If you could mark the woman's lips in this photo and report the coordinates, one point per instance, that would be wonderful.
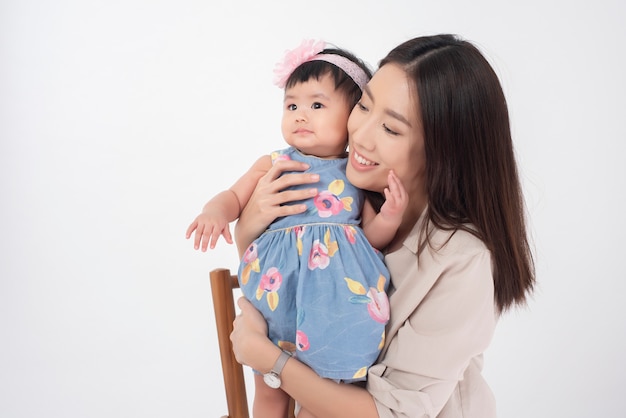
(359, 162)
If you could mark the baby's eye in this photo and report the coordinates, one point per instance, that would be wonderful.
(317, 105)
(292, 107)
(362, 107)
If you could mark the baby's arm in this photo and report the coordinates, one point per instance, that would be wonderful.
(380, 228)
(225, 207)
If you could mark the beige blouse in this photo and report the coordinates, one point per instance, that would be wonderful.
(443, 317)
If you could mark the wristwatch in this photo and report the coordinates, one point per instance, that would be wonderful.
(272, 378)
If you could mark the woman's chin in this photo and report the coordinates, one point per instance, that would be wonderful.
(365, 179)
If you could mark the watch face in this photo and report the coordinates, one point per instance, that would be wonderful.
(271, 380)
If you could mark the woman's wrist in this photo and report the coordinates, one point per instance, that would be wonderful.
(266, 355)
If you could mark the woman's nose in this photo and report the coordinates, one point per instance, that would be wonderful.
(362, 133)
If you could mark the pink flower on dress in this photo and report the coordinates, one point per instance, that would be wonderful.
(251, 254)
(302, 341)
(299, 230)
(378, 308)
(327, 204)
(350, 233)
(318, 258)
(292, 60)
(277, 156)
(271, 280)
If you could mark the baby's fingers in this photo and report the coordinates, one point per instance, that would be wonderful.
(191, 228)
(395, 186)
(209, 237)
(393, 182)
(198, 236)
(225, 233)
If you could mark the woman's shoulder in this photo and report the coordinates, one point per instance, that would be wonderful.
(461, 241)
(444, 241)
(444, 250)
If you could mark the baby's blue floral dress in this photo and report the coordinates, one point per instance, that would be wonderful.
(319, 283)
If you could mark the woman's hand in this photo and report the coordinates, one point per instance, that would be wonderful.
(251, 345)
(270, 200)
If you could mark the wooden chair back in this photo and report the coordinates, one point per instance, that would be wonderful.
(222, 285)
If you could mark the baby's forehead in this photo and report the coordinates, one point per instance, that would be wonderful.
(323, 87)
(320, 78)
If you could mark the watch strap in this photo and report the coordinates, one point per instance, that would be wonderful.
(280, 362)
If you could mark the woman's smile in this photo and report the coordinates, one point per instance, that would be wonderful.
(361, 160)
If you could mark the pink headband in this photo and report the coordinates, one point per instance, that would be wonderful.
(309, 50)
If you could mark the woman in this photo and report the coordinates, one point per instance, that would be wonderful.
(435, 113)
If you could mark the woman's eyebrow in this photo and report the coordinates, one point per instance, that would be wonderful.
(398, 116)
(388, 111)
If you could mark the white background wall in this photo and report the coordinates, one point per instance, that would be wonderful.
(119, 119)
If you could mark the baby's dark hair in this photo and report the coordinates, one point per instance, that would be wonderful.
(318, 68)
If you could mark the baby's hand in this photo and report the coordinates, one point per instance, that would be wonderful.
(209, 226)
(396, 199)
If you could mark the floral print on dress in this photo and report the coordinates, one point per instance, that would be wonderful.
(269, 285)
(360, 374)
(251, 261)
(375, 298)
(302, 341)
(299, 230)
(328, 203)
(321, 252)
(350, 233)
(318, 258)
(378, 307)
(279, 156)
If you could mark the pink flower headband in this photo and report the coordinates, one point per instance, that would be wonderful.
(309, 50)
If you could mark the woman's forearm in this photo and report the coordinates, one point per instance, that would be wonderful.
(323, 397)
(244, 237)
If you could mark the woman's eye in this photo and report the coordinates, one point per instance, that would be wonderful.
(390, 131)
(361, 107)
(292, 107)
(317, 105)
